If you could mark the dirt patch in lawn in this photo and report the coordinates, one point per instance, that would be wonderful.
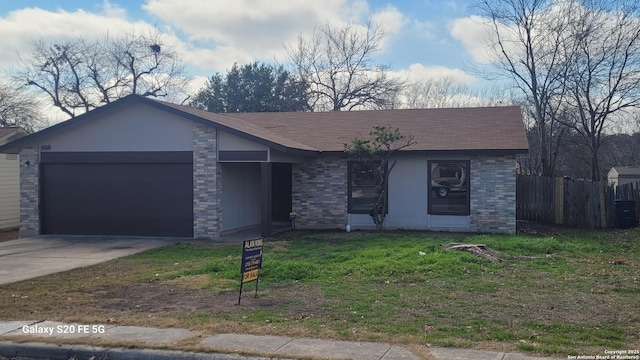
(182, 302)
(161, 296)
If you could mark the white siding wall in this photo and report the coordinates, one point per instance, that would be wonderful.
(9, 191)
(240, 195)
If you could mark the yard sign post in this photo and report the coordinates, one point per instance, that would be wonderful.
(251, 263)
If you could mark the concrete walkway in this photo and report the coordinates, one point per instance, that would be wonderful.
(218, 346)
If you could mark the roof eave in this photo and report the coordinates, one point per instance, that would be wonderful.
(453, 151)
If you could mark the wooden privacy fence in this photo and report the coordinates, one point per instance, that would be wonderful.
(579, 203)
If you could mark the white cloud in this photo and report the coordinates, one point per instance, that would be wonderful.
(260, 28)
(475, 35)
(419, 73)
(219, 33)
(197, 83)
(478, 34)
(111, 10)
(392, 22)
(390, 19)
(246, 30)
(218, 59)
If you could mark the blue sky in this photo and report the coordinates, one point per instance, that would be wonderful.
(426, 38)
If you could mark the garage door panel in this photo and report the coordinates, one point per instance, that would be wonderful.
(118, 199)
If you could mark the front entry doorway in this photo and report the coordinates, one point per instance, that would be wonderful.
(281, 186)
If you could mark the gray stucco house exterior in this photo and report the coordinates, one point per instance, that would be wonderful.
(150, 168)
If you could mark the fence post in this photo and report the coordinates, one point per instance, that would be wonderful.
(559, 200)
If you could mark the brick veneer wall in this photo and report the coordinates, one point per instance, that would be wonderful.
(493, 194)
(207, 183)
(29, 192)
(319, 193)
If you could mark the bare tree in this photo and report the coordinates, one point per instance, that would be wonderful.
(18, 108)
(604, 78)
(338, 66)
(445, 92)
(152, 67)
(533, 49)
(619, 150)
(436, 93)
(77, 75)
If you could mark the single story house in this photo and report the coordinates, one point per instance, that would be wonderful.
(620, 175)
(140, 166)
(9, 181)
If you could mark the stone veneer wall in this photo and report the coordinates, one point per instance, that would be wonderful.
(29, 192)
(320, 193)
(493, 194)
(207, 183)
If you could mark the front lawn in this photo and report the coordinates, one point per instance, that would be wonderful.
(567, 292)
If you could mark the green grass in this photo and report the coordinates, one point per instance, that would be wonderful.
(576, 292)
(549, 294)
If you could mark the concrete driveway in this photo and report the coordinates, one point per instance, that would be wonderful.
(42, 255)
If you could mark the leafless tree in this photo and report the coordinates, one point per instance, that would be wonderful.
(604, 77)
(436, 93)
(78, 75)
(445, 92)
(532, 48)
(338, 66)
(18, 108)
(619, 150)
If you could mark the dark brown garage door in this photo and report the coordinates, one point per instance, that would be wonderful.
(140, 194)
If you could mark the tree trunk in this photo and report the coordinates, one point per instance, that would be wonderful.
(595, 168)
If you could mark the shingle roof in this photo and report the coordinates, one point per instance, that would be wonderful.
(494, 128)
(460, 129)
(242, 126)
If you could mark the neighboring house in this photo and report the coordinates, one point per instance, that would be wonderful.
(9, 181)
(143, 167)
(620, 175)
